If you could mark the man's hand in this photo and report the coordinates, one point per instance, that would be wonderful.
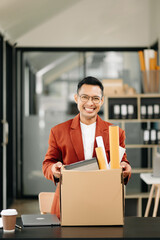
(56, 169)
(126, 170)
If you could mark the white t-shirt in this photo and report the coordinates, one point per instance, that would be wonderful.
(88, 135)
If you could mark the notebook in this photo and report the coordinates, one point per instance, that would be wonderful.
(40, 220)
(85, 165)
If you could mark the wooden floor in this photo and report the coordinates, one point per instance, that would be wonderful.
(26, 206)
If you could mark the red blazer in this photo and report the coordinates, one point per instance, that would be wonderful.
(66, 146)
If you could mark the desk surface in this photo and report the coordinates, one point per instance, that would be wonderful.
(134, 227)
(149, 179)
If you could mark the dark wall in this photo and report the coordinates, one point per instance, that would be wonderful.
(1, 117)
(9, 86)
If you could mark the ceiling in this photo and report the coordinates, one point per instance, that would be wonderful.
(53, 23)
(17, 17)
(72, 23)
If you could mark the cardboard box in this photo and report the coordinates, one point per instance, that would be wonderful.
(92, 198)
(113, 87)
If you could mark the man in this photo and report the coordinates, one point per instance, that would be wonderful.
(74, 140)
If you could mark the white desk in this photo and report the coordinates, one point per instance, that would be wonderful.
(155, 182)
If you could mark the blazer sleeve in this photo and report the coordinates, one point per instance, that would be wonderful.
(52, 156)
(124, 159)
(122, 144)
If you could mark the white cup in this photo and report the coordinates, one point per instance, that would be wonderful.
(9, 219)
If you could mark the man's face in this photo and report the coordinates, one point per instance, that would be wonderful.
(89, 101)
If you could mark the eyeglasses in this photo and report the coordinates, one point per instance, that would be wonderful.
(94, 99)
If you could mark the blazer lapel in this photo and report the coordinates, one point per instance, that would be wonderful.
(76, 138)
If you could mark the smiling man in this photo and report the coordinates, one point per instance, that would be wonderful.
(74, 140)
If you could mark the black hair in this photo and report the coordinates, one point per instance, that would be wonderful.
(90, 81)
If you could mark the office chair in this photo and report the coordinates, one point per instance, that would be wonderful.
(45, 201)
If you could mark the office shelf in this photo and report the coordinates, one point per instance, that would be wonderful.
(142, 145)
(133, 120)
(137, 101)
(142, 170)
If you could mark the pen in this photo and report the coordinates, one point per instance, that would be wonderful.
(17, 226)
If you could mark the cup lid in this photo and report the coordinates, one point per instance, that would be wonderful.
(9, 212)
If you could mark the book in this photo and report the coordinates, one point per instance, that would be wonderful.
(101, 158)
(114, 146)
(100, 143)
(84, 165)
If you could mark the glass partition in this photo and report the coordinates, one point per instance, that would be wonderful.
(115, 65)
(50, 81)
(49, 84)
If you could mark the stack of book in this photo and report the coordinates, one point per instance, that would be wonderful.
(100, 161)
(150, 71)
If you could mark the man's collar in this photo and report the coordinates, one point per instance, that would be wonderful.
(99, 122)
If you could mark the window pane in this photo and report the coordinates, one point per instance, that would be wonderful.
(114, 65)
(50, 81)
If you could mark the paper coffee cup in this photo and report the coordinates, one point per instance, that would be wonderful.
(9, 219)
